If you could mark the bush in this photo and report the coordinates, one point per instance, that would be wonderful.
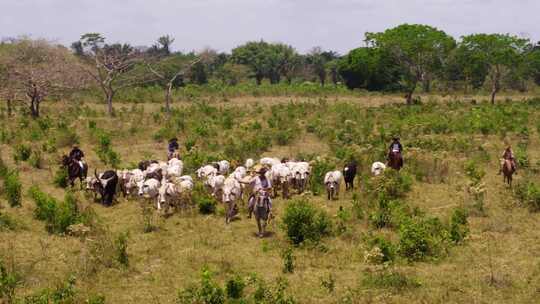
(234, 288)
(302, 221)
(391, 185)
(205, 202)
(22, 152)
(385, 248)
(61, 179)
(421, 238)
(58, 216)
(388, 279)
(120, 245)
(209, 292)
(12, 188)
(319, 169)
(35, 160)
(528, 194)
(8, 223)
(63, 294)
(458, 225)
(288, 260)
(9, 280)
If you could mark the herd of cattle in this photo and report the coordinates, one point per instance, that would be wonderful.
(164, 183)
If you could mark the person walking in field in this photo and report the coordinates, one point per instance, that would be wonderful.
(259, 202)
(172, 148)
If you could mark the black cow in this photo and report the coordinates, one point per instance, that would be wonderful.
(349, 173)
(106, 186)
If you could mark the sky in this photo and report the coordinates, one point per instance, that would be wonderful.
(223, 24)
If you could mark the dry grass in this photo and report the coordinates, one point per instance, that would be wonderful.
(498, 264)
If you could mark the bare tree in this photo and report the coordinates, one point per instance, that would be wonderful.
(110, 65)
(36, 69)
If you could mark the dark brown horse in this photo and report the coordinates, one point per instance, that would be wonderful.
(74, 170)
(395, 160)
(508, 170)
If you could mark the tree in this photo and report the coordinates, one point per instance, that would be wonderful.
(498, 54)
(317, 63)
(37, 69)
(267, 60)
(371, 69)
(533, 63)
(419, 49)
(109, 65)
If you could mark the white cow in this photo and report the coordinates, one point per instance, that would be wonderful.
(128, 180)
(232, 191)
(175, 168)
(300, 173)
(249, 163)
(281, 177)
(215, 183)
(150, 189)
(332, 180)
(239, 173)
(269, 161)
(172, 194)
(377, 168)
(206, 171)
(222, 167)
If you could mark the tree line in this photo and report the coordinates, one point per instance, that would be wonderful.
(403, 59)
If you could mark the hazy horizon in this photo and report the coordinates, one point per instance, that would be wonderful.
(223, 24)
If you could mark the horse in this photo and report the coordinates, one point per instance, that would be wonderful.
(508, 170)
(74, 170)
(262, 211)
(395, 160)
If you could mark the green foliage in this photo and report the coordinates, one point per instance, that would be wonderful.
(209, 292)
(302, 221)
(58, 216)
(205, 202)
(319, 168)
(421, 238)
(22, 152)
(36, 160)
(386, 248)
(121, 245)
(63, 294)
(288, 260)
(12, 188)
(388, 278)
(391, 185)
(8, 223)
(9, 280)
(528, 194)
(474, 172)
(234, 288)
(104, 150)
(458, 225)
(61, 178)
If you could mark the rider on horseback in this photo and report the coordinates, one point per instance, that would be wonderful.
(508, 154)
(77, 154)
(173, 146)
(395, 146)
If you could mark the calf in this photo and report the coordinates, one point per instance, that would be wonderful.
(377, 168)
(349, 173)
(332, 180)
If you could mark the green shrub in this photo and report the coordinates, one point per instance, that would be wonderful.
(391, 185)
(35, 160)
(473, 172)
(458, 225)
(302, 221)
(421, 238)
(9, 280)
(234, 288)
(12, 188)
(208, 292)
(528, 194)
(61, 178)
(288, 260)
(22, 152)
(8, 223)
(319, 168)
(387, 249)
(388, 279)
(121, 245)
(205, 202)
(63, 294)
(58, 216)
(96, 299)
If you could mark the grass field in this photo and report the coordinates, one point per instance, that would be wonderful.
(446, 141)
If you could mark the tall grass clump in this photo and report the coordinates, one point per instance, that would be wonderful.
(319, 168)
(302, 221)
(22, 152)
(61, 178)
(9, 280)
(12, 186)
(528, 193)
(104, 149)
(204, 201)
(58, 216)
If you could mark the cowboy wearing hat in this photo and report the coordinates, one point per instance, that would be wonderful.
(172, 147)
(395, 146)
(260, 183)
(508, 154)
(77, 154)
